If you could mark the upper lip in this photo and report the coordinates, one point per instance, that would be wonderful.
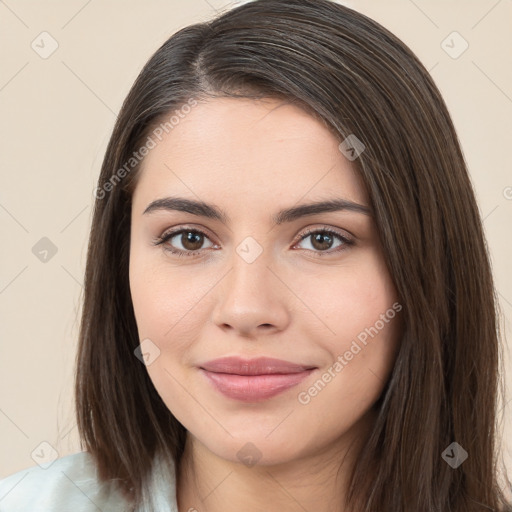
(258, 366)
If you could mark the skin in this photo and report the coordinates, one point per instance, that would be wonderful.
(296, 301)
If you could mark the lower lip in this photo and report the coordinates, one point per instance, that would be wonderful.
(252, 388)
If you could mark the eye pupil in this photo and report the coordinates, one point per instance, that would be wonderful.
(318, 238)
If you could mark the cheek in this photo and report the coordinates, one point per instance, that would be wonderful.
(166, 312)
(361, 309)
(368, 358)
(351, 298)
(164, 298)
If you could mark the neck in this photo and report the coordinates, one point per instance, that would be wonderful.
(318, 481)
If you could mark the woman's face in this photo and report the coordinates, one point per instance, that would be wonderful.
(308, 287)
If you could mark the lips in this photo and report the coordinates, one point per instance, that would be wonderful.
(259, 366)
(253, 380)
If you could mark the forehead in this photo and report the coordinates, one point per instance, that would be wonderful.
(249, 149)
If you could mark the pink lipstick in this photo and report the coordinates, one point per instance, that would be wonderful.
(253, 380)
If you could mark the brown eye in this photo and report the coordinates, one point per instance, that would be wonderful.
(321, 241)
(184, 242)
(324, 239)
(191, 240)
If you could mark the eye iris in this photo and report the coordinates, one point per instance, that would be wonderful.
(190, 237)
(318, 238)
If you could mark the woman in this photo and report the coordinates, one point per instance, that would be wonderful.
(288, 298)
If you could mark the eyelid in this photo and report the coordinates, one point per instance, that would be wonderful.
(308, 230)
(343, 234)
(345, 237)
(172, 232)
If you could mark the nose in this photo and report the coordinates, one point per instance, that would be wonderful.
(251, 300)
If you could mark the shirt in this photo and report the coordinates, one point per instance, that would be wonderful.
(70, 484)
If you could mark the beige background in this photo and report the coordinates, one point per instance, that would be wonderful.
(56, 117)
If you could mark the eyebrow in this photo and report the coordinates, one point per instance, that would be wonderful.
(211, 211)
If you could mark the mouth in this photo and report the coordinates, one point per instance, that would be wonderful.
(253, 380)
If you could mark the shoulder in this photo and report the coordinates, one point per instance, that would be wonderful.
(70, 483)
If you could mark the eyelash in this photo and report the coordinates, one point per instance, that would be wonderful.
(178, 252)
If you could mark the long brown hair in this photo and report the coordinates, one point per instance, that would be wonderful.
(358, 78)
